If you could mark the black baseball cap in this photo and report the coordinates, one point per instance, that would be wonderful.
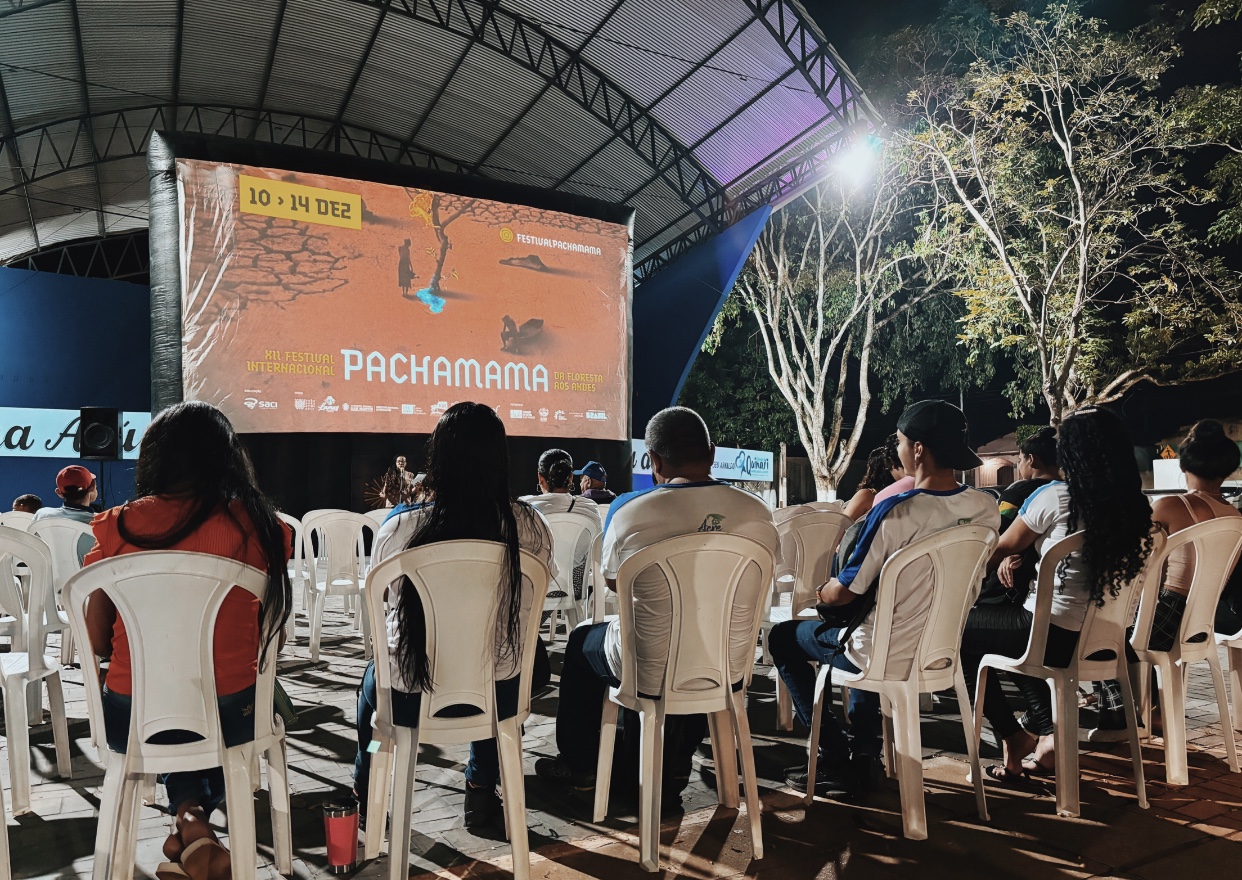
(941, 427)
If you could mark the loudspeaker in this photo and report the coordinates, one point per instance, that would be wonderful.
(99, 433)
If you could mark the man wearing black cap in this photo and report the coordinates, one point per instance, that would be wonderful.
(931, 443)
(593, 483)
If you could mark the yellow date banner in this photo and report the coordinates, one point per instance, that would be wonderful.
(292, 201)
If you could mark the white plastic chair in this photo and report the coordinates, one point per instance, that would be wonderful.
(826, 505)
(339, 567)
(573, 542)
(458, 584)
(957, 556)
(299, 574)
(21, 668)
(1217, 544)
(809, 539)
(1102, 637)
(16, 519)
(169, 601)
(379, 514)
(705, 573)
(62, 536)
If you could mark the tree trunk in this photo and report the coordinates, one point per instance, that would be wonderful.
(825, 487)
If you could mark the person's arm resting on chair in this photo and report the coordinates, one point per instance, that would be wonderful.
(835, 593)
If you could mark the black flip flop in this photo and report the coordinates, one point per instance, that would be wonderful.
(1038, 771)
(998, 774)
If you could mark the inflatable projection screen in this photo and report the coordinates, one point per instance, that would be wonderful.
(308, 292)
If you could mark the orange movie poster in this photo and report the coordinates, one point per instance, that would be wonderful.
(315, 303)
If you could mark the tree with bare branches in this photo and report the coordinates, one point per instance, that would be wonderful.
(827, 276)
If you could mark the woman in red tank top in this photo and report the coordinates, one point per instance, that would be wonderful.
(195, 490)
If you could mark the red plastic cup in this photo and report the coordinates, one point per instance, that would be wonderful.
(340, 827)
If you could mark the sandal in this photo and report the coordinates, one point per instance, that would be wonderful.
(201, 868)
(170, 871)
(998, 774)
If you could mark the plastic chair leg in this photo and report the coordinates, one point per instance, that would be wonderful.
(970, 728)
(886, 719)
(980, 683)
(276, 758)
(379, 788)
(239, 799)
(1235, 676)
(1136, 749)
(1172, 682)
(724, 751)
(513, 783)
(1065, 740)
(60, 725)
(127, 833)
(366, 634)
(405, 759)
(754, 807)
(315, 611)
(909, 752)
(812, 746)
(148, 791)
(107, 831)
(6, 871)
(17, 730)
(1140, 676)
(845, 705)
(1222, 706)
(650, 783)
(784, 705)
(66, 647)
(603, 765)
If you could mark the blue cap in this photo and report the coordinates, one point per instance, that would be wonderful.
(594, 470)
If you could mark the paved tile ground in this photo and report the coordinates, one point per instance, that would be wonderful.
(1196, 829)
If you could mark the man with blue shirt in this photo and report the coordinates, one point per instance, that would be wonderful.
(931, 443)
(684, 500)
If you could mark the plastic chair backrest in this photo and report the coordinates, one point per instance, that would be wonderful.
(340, 536)
(1103, 635)
(783, 513)
(19, 546)
(826, 505)
(704, 572)
(815, 539)
(169, 600)
(379, 514)
(572, 543)
(459, 584)
(958, 556)
(297, 559)
(61, 536)
(16, 519)
(1217, 544)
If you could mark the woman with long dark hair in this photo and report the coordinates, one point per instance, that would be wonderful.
(880, 475)
(1102, 496)
(195, 490)
(468, 477)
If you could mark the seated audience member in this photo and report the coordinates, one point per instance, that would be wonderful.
(1037, 467)
(593, 483)
(556, 477)
(470, 503)
(1207, 457)
(78, 488)
(27, 503)
(879, 476)
(195, 490)
(931, 446)
(1102, 496)
(902, 481)
(685, 500)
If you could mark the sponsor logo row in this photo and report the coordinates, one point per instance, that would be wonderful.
(330, 404)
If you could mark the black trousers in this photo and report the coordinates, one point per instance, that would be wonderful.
(1005, 629)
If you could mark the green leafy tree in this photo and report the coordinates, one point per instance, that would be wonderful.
(1055, 168)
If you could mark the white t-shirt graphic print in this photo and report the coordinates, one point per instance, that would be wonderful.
(639, 519)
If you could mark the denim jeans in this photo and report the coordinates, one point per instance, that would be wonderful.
(796, 648)
(483, 768)
(585, 680)
(202, 787)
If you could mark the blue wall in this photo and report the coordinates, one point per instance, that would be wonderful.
(674, 311)
(71, 342)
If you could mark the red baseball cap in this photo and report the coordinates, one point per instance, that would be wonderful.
(74, 477)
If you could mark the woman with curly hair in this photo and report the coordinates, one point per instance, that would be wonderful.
(470, 502)
(882, 472)
(1101, 495)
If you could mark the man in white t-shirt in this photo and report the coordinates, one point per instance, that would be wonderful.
(685, 500)
(932, 445)
(556, 476)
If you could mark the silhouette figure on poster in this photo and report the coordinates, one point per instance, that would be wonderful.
(405, 269)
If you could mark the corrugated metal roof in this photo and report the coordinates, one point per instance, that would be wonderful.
(671, 105)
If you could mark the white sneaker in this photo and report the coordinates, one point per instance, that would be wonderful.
(1108, 735)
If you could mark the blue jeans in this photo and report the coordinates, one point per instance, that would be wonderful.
(796, 648)
(483, 768)
(202, 787)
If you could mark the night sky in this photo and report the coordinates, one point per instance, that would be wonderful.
(1210, 55)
